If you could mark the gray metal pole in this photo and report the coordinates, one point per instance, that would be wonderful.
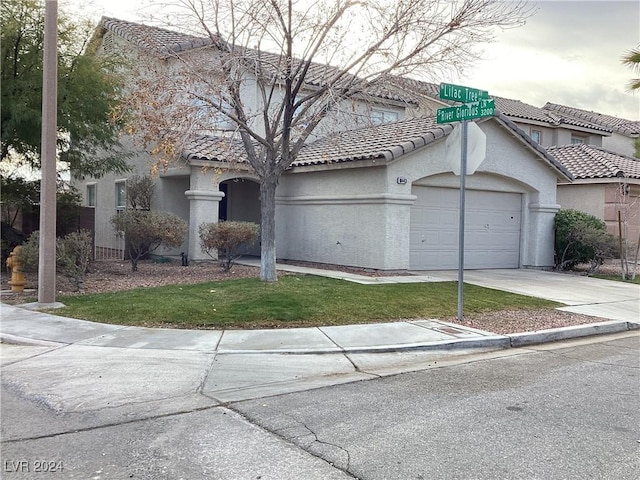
(47, 254)
(463, 177)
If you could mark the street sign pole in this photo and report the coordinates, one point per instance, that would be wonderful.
(475, 104)
(463, 177)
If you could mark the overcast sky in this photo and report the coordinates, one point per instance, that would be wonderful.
(568, 53)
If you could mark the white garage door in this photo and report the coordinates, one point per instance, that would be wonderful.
(492, 229)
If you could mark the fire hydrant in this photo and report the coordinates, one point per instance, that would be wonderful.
(17, 281)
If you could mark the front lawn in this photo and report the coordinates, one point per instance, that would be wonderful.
(292, 301)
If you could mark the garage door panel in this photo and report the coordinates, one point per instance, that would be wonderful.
(492, 229)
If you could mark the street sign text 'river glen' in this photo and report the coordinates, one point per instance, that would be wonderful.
(467, 111)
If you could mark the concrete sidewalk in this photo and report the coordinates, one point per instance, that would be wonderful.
(233, 365)
(616, 301)
(20, 325)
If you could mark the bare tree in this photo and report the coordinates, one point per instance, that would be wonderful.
(628, 210)
(307, 60)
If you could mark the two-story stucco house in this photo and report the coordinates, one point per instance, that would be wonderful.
(376, 196)
(625, 134)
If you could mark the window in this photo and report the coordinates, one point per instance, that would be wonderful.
(121, 195)
(379, 117)
(91, 195)
(536, 135)
(576, 140)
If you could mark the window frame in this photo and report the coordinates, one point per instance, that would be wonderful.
(118, 185)
(383, 115)
(91, 199)
(539, 135)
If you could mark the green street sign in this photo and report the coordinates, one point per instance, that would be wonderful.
(467, 111)
(462, 94)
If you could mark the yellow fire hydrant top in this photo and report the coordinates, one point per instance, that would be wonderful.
(18, 280)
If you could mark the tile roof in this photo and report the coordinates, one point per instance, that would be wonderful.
(384, 142)
(219, 149)
(621, 125)
(166, 43)
(587, 161)
(512, 108)
(157, 40)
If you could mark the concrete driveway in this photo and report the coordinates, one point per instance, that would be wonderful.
(590, 296)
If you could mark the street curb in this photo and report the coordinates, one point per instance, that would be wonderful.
(10, 339)
(565, 333)
(493, 341)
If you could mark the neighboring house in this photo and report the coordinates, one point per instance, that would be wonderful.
(380, 197)
(550, 129)
(606, 185)
(597, 149)
(625, 133)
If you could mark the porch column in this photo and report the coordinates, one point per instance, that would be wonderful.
(203, 208)
(541, 239)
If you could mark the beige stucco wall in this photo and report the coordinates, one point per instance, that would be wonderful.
(588, 198)
(562, 136)
(620, 144)
(361, 216)
(345, 216)
(168, 196)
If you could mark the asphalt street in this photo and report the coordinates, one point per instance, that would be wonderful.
(567, 410)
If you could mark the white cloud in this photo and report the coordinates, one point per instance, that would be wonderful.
(568, 53)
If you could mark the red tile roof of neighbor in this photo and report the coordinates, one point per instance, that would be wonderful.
(588, 161)
(621, 125)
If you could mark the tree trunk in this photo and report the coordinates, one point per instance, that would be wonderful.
(268, 230)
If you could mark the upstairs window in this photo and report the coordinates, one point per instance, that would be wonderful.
(380, 117)
(536, 136)
(121, 195)
(91, 195)
(210, 117)
(577, 140)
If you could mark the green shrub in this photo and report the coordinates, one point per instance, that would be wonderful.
(145, 231)
(74, 252)
(230, 240)
(581, 238)
(28, 253)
